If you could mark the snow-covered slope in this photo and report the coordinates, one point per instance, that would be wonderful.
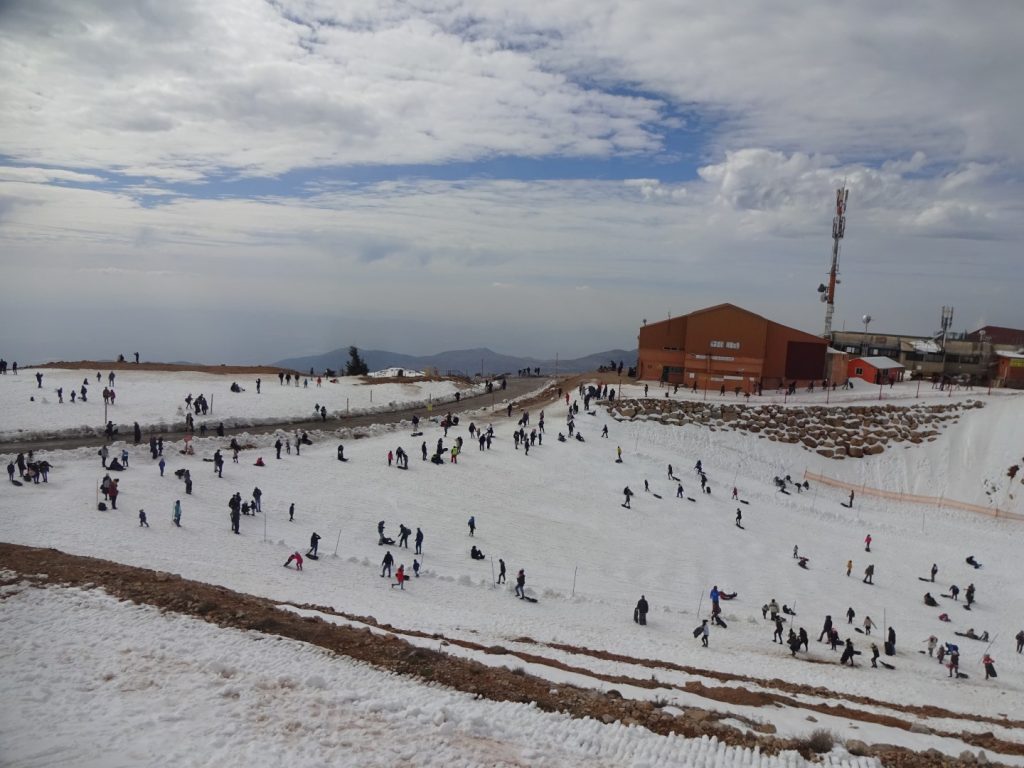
(556, 512)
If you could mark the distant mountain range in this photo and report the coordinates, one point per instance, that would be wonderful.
(462, 361)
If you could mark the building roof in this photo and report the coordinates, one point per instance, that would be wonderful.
(924, 346)
(880, 363)
(729, 305)
(1011, 355)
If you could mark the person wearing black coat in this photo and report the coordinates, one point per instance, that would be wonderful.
(314, 543)
(848, 653)
(640, 612)
(826, 628)
(386, 564)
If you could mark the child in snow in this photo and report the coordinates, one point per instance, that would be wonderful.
(295, 557)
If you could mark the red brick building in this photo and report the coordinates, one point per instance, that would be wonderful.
(728, 346)
(999, 336)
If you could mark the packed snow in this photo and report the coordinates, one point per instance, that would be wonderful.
(168, 690)
(156, 400)
(557, 513)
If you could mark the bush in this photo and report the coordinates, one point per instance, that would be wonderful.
(821, 741)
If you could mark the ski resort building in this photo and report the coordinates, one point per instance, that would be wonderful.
(727, 346)
(876, 370)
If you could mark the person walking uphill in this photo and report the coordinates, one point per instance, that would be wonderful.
(867, 543)
(177, 513)
(640, 612)
(521, 584)
(472, 525)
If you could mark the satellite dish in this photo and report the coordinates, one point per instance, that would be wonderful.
(866, 319)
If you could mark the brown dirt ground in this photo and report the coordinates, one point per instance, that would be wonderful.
(224, 607)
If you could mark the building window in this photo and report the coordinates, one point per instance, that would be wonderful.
(858, 371)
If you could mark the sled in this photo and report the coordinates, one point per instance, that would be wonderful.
(697, 631)
(399, 466)
(886, 664)
(722, 624)
(858, 629)
(740, 527)
(312, 557)
(624, 506)
(416, 434)
(618, 461)
(17, 483)
(744, 501)
(656, 495)
(922, 578)
(966, 607)
(972, 637)
(990, 671)
(949, 596)
(690, 498)
(783, 490)
(962, 675)
(636, 615)
(529, 599)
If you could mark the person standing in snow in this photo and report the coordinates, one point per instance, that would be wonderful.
(935, 571)
(386, 564)
(103, 456)
(521, 584)
(501, 580)
(177, 513)
(777, 635)
(419, 542)
(236, 517)
(257, 494)
(403, 535)
(472, 525)
(739, 518)
(850, 614)
(705, 632)
(867, 543)
(640, 612)
(277, 447)
(1019, 637)
(869, 574)
(868, 624)
(314, 544)
(627, 493)
(142, 519)
(849, 567)
(291, 513)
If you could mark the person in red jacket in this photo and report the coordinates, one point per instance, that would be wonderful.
(867, 543)
(112, 492)
(296, 558)
(400, 575)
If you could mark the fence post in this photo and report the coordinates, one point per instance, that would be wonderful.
(574, 570)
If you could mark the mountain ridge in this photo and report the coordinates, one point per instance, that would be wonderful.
(465, 361)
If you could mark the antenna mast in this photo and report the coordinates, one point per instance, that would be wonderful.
(828, 294)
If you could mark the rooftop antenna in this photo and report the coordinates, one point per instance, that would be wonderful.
(828, 293)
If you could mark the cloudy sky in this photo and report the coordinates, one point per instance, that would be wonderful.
(246, 180)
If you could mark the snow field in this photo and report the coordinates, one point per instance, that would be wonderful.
(557, 513)
(156, 399)
(169, 690)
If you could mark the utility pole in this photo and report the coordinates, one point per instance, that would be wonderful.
(828, 293)
(947, 323)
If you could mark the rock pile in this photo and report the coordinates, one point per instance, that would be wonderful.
(833, 432)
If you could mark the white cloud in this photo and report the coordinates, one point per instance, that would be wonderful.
(179, 90)
(45, 175)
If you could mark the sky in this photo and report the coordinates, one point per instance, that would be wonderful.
(248, 180)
